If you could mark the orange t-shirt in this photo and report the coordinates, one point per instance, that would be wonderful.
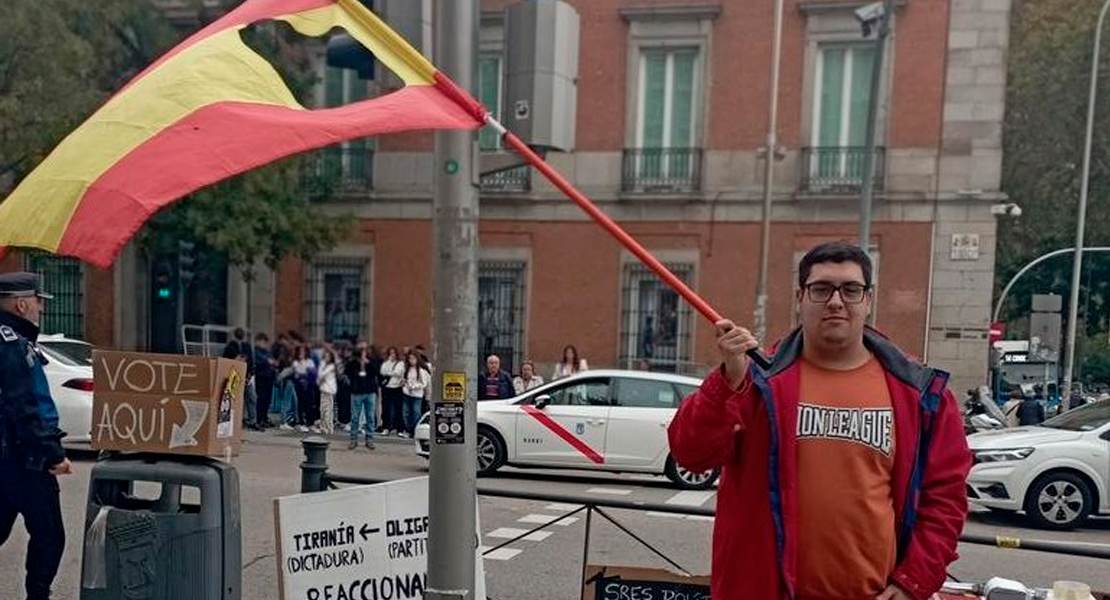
(846, 543)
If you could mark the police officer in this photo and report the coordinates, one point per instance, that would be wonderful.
(31, 452)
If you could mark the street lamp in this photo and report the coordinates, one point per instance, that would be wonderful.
(760, 321)
(1077, 265)
(872, 15)
(1036, 261)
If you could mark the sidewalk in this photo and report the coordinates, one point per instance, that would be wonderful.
(339, 439)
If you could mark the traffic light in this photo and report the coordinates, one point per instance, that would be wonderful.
(345, 52)
(163, 282)
(186, 261)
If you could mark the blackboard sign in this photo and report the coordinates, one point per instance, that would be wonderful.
(634, 583)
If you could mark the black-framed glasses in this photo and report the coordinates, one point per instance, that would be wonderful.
(821, 292)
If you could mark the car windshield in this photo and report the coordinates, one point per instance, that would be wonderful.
(72, 353)
(1084, 418)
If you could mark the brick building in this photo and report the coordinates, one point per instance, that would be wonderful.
(672, 118)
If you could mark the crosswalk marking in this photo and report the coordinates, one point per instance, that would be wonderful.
(499, 554)
(540, 519)
(510, 533)
(563, 508)
(609, 491)
(690, 498)
(665, 515)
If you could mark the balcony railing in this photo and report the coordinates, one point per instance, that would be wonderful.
(661, 170)
(518, 179)
(340, 169)
(839, 169)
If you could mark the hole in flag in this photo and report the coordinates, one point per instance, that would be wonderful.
(286, 51)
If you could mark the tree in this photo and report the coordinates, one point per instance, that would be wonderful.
(1049, 74)
(61, 59)
(1096, 359)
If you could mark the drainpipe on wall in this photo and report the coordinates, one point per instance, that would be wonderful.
(936, 196)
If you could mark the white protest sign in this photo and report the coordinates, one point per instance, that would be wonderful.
(357, 543)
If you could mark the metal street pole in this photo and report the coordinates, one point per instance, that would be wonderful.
(452, 474)
(760, 321)
(1030, 265)
(867, 188)
(1077, 265)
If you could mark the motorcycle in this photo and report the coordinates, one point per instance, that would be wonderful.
(977, 414)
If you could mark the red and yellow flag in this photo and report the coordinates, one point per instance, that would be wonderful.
(210, 109)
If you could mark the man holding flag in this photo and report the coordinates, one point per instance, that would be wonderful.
(843, 461)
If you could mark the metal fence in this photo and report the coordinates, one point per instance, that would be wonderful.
(661, 170)
(501, 298)
(64, 278)
(839, 169)
(336, 302)
(209, 340)
(518, 179)
(315, 477)
(655, 322)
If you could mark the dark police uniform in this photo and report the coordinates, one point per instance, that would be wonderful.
(30, 442)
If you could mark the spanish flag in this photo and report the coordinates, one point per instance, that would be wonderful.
(209, 109)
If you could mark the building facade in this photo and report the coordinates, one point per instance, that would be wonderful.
(670, 141)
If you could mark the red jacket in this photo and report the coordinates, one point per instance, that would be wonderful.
(750, 435)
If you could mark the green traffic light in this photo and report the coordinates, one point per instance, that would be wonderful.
(163, 293)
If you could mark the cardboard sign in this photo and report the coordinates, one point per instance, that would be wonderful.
(624, 583)
(367, 541)
(167, 403)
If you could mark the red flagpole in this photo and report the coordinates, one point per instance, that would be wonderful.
(611, 226)
(468, 103)
(621, 235)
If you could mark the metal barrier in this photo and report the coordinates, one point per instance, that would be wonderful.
(316, 478)
(208, 340)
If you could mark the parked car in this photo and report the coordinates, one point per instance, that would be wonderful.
(599, 420)
(69, 372)
(1057, 472)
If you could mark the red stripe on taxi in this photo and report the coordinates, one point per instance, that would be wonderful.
(567, 436)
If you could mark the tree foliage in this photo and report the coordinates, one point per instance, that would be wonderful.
(61, 59)
(1049, 74)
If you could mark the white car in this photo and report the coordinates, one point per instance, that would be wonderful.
(1058, 472)
(598, 420)
(69, 372)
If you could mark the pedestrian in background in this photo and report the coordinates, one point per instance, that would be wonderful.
(527, 379)
(264, 377)
(393, 372)
(363, 370)
(304, 378)
(31, 454)
(417, 379)
(494, 383)
(326, 380)
(238, 348)
(1031, 410)
(570, 364)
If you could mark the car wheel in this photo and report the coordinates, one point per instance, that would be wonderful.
(690, 480)
(1058, 501)
(491, 451)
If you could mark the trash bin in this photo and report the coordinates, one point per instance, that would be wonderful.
(161, 527)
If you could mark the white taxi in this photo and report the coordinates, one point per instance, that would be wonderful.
(1057, 472)
(70, 375)
(605, 420)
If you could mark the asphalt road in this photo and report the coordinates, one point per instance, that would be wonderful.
(549, 565)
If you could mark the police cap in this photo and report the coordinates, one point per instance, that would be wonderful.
(22, 284)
